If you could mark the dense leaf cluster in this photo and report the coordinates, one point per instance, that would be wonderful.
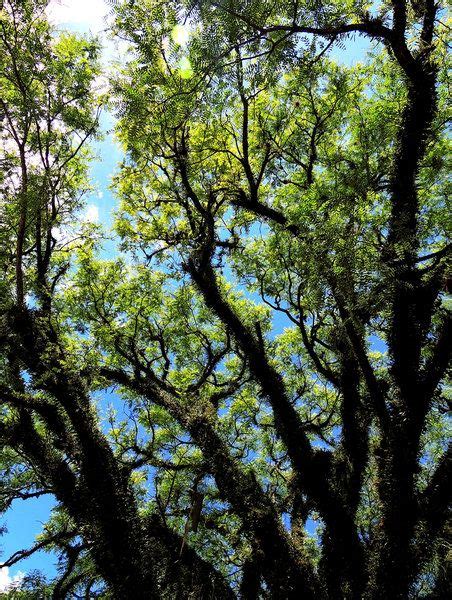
(274, 329)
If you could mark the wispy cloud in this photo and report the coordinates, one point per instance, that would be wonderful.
(91, 214)
(78, 12)
(8, 583)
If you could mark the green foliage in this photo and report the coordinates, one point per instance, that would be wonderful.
(48, 112)
(274, 325)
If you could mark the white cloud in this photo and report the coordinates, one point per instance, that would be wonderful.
(7, 582)
(77, 12)
(100, 195)
(91, 214)
(65, 235)
(62, 235)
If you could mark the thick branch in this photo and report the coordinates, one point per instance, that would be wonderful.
(439, 362)
(48, 541)
(434, 508)
(435, 500)
(287, 421)
(282, 565)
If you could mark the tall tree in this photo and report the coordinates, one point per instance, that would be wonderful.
(277, 324)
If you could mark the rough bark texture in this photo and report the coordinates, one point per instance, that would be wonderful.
(139, 556)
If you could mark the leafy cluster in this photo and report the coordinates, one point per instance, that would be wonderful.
(273, 334)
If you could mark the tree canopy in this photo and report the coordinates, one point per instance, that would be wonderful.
(275, 319)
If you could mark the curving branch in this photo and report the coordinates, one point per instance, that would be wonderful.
(283, 566)
(45, 543)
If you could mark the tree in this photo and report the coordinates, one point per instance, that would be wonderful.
(276, 321)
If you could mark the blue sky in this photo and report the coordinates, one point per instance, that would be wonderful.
(25, 519)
